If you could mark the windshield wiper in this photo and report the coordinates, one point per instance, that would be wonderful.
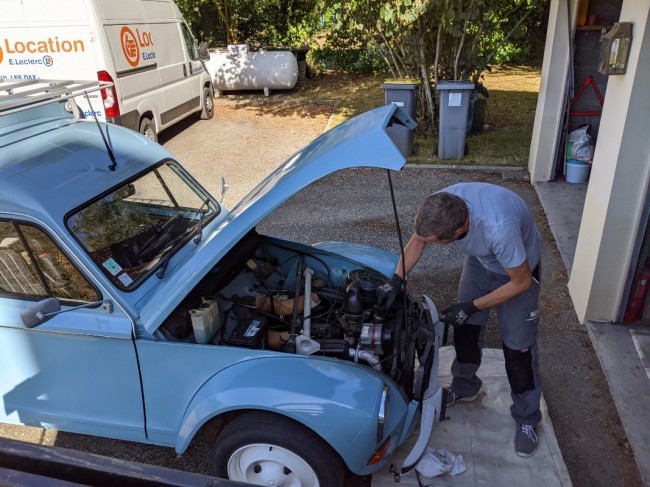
(199, 227)
(168, 255)
(198, 231)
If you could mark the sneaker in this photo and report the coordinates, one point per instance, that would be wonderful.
(453, 398)
(525, 440)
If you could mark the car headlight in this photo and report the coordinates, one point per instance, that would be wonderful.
(382, 417)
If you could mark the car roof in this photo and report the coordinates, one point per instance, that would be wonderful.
(51, 166)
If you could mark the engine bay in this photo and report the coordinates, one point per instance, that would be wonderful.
(272, 294)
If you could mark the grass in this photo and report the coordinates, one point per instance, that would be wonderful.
(508, 126)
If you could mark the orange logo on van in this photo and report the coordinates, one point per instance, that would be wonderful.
(1, 54)
(130, 46)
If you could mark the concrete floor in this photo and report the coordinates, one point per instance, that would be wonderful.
(630, 387)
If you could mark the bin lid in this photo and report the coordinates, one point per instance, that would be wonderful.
(401, 84)
(455, 85)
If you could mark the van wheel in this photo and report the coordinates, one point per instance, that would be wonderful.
(208, 105)
(148, 129)
(266, 449)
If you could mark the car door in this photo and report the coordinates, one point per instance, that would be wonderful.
(75, 372)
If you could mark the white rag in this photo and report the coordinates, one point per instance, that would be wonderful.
(439, 461)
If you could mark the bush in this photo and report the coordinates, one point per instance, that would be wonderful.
(365, 61)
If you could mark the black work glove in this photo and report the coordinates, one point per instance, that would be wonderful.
(457, 314)
(386, 293)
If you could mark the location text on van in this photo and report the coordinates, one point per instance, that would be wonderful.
(49, 45)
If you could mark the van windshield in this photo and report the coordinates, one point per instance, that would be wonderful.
(135, 228)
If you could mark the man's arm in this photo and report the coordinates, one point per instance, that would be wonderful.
(520, 279)
(412, 253)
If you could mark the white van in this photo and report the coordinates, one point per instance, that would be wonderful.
(143, 47)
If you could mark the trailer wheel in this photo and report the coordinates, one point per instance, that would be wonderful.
(267, 449)
(208, 104)
(148, 129)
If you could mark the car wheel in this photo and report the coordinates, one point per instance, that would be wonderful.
(148, 129)
(266, 449)
(208, 105)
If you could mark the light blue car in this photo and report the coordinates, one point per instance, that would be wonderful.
(134, 306)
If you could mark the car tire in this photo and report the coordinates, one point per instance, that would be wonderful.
(262, 448)
(148, 129)
(207, 112)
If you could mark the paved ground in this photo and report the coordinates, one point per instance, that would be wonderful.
(355, 206)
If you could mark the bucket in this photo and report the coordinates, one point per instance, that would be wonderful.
(577, 171)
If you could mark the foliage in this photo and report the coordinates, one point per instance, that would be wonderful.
(346, 52)
(366, 60)
(258, 22)
(203, 20)
(436, 39)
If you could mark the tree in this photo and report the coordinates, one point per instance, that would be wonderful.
(260, 22)
(434, 40)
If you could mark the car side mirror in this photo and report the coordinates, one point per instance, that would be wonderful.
(40, 312)
(204, 54)
(224, 188)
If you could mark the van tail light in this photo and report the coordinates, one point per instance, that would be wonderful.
(109, 96)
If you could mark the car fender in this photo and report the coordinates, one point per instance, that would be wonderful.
(337, 400)
(380, 260)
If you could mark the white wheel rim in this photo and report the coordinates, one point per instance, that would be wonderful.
(208, 103)
(149, 133)
(270, 465)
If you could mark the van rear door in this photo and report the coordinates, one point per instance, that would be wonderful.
(50, 40)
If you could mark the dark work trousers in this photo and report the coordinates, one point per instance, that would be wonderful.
(518, 323)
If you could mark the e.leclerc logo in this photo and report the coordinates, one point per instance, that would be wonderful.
(137, 47)
(130, 46)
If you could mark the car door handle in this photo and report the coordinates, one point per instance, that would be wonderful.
(184, 70)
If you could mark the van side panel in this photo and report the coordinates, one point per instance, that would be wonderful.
(180, 88)
(156, 10)
(120, 10)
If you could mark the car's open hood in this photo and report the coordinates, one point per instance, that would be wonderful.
(360, 142)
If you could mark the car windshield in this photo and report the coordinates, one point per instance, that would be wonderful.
(136, 227)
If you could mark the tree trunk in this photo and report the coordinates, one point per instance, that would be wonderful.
(460, 49)
(225, 14)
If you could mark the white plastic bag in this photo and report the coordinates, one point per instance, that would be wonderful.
(580, 146)
(439, 461)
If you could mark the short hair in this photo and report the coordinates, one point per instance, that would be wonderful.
(440, 215)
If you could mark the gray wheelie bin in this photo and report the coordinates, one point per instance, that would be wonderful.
(454, 106)
(404, 94)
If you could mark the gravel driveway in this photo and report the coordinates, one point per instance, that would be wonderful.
(244, 143)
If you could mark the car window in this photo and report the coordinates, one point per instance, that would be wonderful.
(190, 46)
(131, 230)
(31, 265)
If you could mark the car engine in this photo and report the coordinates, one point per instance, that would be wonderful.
(277, 295)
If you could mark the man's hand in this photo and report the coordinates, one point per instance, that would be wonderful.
(386, 293)
(457, 314)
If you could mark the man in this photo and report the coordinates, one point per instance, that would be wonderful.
(495, 229)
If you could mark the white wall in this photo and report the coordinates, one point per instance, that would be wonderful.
(553, 83)
(618, 183)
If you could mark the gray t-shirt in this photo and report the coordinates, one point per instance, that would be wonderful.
(502, 232)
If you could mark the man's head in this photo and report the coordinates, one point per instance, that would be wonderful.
(442, 218)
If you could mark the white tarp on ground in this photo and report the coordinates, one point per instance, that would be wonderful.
(482, 432)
